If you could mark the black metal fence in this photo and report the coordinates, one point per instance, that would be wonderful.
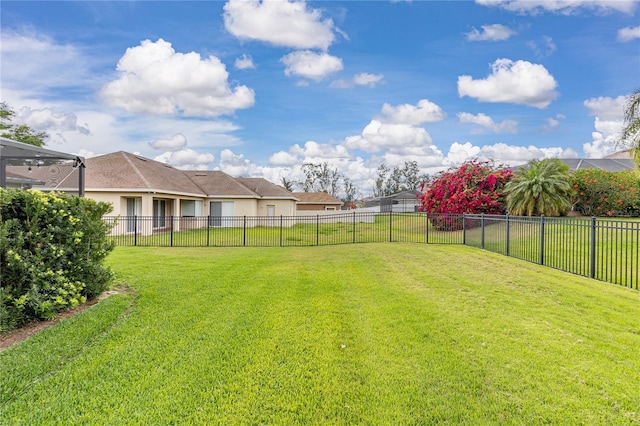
(604, 249)
(607, 250)
(261, 231)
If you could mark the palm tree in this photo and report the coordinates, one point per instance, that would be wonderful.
(631, 132)
(540, 187)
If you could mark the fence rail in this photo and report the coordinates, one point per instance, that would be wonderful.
(262, 231)
(607, 250)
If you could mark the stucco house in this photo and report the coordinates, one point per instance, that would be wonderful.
(316, 201)
(138, 186)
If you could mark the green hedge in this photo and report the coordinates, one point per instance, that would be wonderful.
(52, 248)
(603, 193)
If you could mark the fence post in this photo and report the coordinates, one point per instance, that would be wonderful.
(354, 227)
(244, 231)
(542, 239)
(592, 266)
(464, 230)
(171, 231)
(507, 236)
(208, 228)
(280, 230)
(135, 230)
(317, 229)
(390, 224)
(482, 231)
(426, 227)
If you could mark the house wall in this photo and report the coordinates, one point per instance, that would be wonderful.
(119, 202)
(241, 206)
(281, 207)
(316, 207)
(249, 207)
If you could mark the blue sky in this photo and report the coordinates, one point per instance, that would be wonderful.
(259, 88)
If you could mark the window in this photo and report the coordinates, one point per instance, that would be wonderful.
(221, 213)
(191, 208)
(159, 213)
(134, 208)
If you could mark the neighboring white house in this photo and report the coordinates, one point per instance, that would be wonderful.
(400, 202)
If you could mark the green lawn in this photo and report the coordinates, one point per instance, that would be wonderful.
(355, 334)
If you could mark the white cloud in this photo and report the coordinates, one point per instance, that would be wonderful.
(495, 32)
(628, 33)
(608, 123)
(566, 7)
(506, 126)
(600, 146)
(173, 143)
(518, 82)
(244, 62)
(314, 151)
(377, 136)
(606, 108)
(502, 153)
(235, 164)
(283, 158)
(311, 152)
(36, 63)
(511, 154)
(278, 22)
(459, 153)
(424, 112)
(311, 65)
(366, 79)
(553, 122)
(545, 49)
(86, 153)
(187, 159)
(427, 156)
(155, 79)
(55, 124)
(362, 79)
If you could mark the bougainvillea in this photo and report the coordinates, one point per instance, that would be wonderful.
(474, 187)
(603, 193)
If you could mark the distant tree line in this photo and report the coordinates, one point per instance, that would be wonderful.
(321, 177)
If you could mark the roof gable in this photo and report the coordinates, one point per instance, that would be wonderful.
(128, 171)
(316, 198)
(265, 189)
(216, 183)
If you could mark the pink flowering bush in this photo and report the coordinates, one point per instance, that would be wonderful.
(474, 187)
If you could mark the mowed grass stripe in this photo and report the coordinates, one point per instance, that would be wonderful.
(366, 334)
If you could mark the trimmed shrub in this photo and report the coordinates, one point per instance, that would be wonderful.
(52, 248)
(602, 193)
